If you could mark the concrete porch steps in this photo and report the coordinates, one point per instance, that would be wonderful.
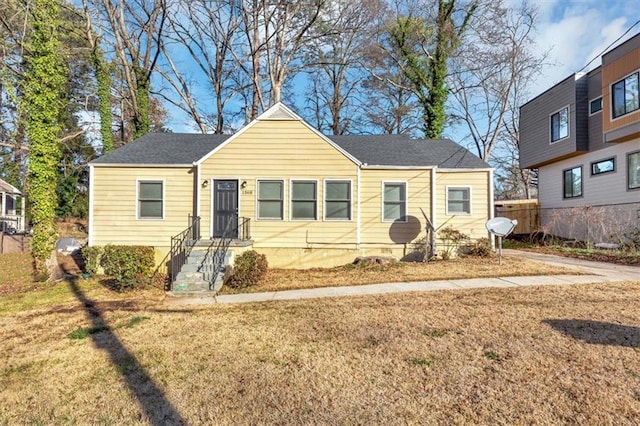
(194, 276)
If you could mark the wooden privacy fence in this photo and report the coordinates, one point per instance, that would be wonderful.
(526, 212)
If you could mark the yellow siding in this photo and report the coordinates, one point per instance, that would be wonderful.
(474, 224)
(376, 232)
(114, 218)
(286, 150)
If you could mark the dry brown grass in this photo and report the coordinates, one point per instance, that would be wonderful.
(468, 267)
(16, 273)
(537, 355)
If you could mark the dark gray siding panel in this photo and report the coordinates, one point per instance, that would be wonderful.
(535, 126)
(582, 114)
(596, 141)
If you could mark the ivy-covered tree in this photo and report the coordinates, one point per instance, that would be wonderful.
(43, 100)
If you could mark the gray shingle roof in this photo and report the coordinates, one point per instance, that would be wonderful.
(400, 150)
(163, 149)
(375, 150)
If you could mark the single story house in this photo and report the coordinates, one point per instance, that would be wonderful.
(302, 198)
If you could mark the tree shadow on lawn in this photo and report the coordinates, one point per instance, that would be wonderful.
(597, 332)
(157, 408)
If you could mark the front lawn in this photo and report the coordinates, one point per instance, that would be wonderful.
(468, 267)
(532, 355)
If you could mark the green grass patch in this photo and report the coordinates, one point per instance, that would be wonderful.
(493, 356)
(84, 332)
(134, 321)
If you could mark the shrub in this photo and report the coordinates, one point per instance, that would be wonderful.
(130, 266)
(248, 269)
(91, 256)
(481, 248)
(452, 240)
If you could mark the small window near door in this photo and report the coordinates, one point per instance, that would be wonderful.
(270, 199)
(150, 200)
(458, 200)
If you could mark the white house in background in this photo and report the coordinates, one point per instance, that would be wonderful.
(11, 208)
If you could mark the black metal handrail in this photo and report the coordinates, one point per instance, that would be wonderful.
(214, 260)
(182, 244)
(244, 228)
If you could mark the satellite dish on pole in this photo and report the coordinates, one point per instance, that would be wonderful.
(500, 227)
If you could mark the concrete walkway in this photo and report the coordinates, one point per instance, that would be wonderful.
(596, 272)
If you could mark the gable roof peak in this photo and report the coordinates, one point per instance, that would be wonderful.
(279, 111)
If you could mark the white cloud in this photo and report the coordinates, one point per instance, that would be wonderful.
(574, 32)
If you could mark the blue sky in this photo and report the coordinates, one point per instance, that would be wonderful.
(576, 31)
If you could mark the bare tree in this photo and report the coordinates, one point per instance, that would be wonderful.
(134, 29)
(275, 32)
(208, 31)
(492, 72)
(334, 63)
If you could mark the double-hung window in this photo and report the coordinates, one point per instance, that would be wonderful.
(270, 199)
(150, 199)
(572, 182)
(394, 201)
(560, 124)
(459, 200)
(625, 95)
(633, 170)
(337, 200)
(304, 200)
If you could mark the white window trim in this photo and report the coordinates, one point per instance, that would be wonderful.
(611, 96)
(291, 182)
(164, 198)
(568, 108)
(601, 105)
(406, 201)
(257, 196)
(446, 200)
(324, 199)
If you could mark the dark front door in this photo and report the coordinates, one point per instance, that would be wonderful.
(225, 204)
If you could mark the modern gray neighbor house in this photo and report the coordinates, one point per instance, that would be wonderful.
(583, 136)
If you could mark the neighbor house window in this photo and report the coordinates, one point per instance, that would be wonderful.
(150, 202)
(458, 200)
(572, 182)
(595, 105)
(303, 199)
(633, 170)
(625, 95)
(394, 201)
(604, 166)
(270, 199)
(560, 124)
(337, 199)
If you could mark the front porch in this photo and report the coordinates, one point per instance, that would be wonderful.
(12, 209)
(198, 265)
